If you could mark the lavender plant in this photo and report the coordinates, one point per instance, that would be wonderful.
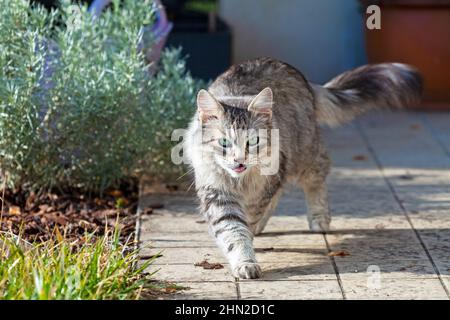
(78, 106)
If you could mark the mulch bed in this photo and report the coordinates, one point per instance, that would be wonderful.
(37, 216)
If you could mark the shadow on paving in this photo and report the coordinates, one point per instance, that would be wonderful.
(391, 250)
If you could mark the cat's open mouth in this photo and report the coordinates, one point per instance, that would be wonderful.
(240, 168)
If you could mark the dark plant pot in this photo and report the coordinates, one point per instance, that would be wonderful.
(208, 53)
(416, 32)
(174, 6)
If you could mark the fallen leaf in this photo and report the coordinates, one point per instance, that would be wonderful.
(208, 266)
(29, 203)
(61, 220)
(86, 225)
(44, 207)
(14, 210)
(99, 201)
(360, 157)
(115, 193)
(339, 253)
(156, 205)
(415, 126)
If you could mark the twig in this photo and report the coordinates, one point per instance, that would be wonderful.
(3, 197)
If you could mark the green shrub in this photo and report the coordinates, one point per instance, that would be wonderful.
(101, 117)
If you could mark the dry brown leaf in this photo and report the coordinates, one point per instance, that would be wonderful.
(360, 157)
(115, 193)
(29, 203)
(156, 205)
(99, 201)
(171, 290)
(44, 207)
(61, 220)
(208, 266)
(14, 210)
(339, 253)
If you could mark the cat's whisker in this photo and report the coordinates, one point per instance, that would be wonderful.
(184, 174)
(191, 185)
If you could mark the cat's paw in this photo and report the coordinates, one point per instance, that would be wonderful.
(319, 225)
(247, 270)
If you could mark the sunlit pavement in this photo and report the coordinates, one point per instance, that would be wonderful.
(390, 201)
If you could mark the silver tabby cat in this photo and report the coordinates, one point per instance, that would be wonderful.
(229, 143)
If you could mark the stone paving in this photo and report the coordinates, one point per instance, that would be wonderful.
(390, 202)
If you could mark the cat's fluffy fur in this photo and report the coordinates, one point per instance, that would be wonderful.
(269, 94)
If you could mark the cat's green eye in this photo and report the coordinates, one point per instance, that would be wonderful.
(224, 143)
(253, 141)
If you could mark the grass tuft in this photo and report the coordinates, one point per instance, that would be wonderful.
(101, 268)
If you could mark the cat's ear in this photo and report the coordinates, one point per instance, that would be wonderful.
(262, 103)
(207, 106)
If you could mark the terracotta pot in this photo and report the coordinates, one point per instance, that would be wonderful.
(416, 32)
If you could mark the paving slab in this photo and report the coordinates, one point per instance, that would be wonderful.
(196, 291)
(190, 273)
(290, 290)
(413, 158)
(390, 268)
(395, 244)
(398, 288)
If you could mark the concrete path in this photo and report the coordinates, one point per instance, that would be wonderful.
(390, 202)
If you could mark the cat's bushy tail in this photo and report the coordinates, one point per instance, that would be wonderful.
(386, 85)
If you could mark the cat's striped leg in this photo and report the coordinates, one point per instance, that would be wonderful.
(228, 224)
(318, 212)
(313, 182)
(262, 211)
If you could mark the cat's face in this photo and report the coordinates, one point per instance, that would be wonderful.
(236, 132)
